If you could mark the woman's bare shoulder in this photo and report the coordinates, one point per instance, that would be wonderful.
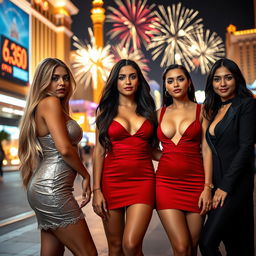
(49, 102)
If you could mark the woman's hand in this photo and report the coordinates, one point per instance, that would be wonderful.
(86, 191)
(219, 198)
(99, 204)
(205, 201)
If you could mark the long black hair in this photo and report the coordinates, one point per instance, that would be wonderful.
(167, 98)
(108, 105)
(212, 99)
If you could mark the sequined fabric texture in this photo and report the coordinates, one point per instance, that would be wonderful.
(51, 186)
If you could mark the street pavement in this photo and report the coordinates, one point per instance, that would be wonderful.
(18, 228)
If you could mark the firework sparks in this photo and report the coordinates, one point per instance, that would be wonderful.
(171, 34)
(206, 48)
(88, 61)
(132, 22)
(124, 52)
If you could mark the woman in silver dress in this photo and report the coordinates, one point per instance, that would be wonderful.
(50, 161)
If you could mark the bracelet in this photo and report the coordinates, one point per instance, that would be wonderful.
(95, 189)
(209, 185)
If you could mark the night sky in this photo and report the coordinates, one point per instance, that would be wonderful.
(216, 15)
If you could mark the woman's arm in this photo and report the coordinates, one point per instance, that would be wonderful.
(51, 111)
(205, 198)
(99, 202)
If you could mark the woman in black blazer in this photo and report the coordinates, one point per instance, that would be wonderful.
(231, 134)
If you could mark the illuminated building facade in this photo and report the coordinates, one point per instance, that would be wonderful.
(241, 47)
(98, 18)
(30, 30)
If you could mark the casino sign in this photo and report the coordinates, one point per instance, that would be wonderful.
(14, 61)
(14, 43)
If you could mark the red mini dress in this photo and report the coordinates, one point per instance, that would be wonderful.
(180, 173)
(128, 175)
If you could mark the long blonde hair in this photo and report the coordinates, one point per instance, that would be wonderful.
(29, 146)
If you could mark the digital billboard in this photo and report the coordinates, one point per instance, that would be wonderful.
(14, 43)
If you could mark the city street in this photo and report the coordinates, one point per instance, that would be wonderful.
(110, 66)
(19, 234)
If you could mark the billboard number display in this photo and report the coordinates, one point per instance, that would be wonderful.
(14, 43)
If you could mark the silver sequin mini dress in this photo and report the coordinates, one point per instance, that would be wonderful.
(50, 190)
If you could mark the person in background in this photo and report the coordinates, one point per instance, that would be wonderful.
(50, 161)
(230, 108)
(87, 154)
(184, 174)
(123, 174)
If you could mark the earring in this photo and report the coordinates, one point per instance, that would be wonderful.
(166, 93)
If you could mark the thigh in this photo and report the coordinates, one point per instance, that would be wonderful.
(114, 225)
(77, 238)
(50, 245)
(138, 217)
(175, 224)
(195, 223)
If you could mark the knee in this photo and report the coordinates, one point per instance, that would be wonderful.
(115, 246)
(182, 249)
(131, 247)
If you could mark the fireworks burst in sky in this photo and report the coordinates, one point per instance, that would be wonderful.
(171, 34)
(132, 22)
(124, 52)
(206, 48)
(88, 61)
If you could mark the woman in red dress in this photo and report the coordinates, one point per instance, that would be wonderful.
(184, 174)
(124, 179)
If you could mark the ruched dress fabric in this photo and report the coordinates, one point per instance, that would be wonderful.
(180, 173)
(51, 186)
(128, 176)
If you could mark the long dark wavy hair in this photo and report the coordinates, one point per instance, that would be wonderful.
(107, 109)
(212, 99)
(167, 98)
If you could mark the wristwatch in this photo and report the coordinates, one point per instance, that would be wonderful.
(209, 185)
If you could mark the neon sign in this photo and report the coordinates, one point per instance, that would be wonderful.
(14, 60)
(14, 43)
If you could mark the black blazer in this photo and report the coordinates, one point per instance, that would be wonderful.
(233, 149)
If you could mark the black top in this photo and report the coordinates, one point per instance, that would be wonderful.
(233, 145)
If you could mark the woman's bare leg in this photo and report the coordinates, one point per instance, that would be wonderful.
(138, 217)
(50, 245)
(77, 238)
(175, 224)
(195, 224)
(114, 229)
